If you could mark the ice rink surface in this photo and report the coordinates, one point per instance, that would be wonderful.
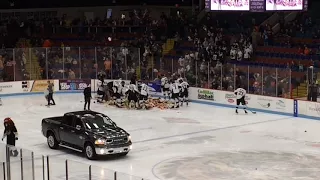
(198, 142)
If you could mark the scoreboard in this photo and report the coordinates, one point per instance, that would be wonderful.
(256, 5)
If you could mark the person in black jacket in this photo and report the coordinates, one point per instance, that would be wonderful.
(11, 133)
(87, 97)
(50, 95)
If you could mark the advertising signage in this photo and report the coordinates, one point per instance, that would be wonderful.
(256, 5)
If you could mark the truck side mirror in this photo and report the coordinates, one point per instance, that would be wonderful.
(78, 127)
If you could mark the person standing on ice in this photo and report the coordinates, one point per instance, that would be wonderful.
(50, 95)
(11, 134)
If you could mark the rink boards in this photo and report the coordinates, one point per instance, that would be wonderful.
(259, 103)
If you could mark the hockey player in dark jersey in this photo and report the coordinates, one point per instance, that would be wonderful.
(11, 134)
(132, 95)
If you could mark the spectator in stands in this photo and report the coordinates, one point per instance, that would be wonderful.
(71, 74)
(306, 51)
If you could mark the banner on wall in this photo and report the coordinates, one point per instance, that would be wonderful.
(40, 85)
(6, 87)
(206, 94)
(74, 84)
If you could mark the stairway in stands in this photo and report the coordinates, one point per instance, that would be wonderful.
(168, 46)
(301, 91)
(32, 65)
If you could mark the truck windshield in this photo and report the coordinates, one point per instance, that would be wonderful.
(98, 122)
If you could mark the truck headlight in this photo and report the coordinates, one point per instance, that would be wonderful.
(129, 138)
(100, 142)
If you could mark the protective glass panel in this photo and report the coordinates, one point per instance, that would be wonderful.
(76, 170)
(88, 64)
(71, 62)
(255, 80)
(23, 63)
(98, 173)
(132, 63)
(7, 65)
(14, 163)
(167, 66)
(269, 81)
(55, 63)
(228, 78)
(284, 83)
(242, 77)
(38, 55)
(202, 74)
(215, 71)
(104, 60)
(299, 84)
(190, 70)
(119, 64)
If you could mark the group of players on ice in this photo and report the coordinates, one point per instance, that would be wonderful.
(175, 93)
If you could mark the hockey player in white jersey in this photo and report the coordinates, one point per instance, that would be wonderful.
(184, 92)
(143, 97)
(175, 91)
(165, 87)
(119, 90)
(101, 92)
(240, 95)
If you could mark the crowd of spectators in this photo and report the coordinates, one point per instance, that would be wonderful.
(211, 65)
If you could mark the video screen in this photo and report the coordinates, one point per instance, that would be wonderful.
(230, 5)
(279, 5)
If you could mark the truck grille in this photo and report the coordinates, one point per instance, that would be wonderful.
(119, 141)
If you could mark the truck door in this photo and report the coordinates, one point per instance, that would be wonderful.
(65, 128)
(78, 133)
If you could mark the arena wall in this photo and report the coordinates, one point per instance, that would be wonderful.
(266, 104)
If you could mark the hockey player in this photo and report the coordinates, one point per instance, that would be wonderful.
(132, 94)
(143, 97)
(11, 133)
(165, 87)
(241, 94)
(119, 92)
(184, 93)
(101, 93)
(175, 90)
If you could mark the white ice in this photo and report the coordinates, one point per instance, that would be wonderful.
(198, 142)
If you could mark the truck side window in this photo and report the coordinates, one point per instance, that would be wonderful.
(78, 123)
(68, 120)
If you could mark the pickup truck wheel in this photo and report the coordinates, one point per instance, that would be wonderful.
(90, 151)
(52, 141)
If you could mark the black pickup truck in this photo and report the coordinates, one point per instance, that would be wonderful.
(86, 131)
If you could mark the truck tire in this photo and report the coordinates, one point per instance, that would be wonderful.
(90, 151)
(52, 141)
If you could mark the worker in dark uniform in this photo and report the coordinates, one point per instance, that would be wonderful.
(50, 95)
(313, 92)
(11, 134)
(87, 97)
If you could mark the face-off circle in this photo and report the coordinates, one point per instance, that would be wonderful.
(241, 166)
